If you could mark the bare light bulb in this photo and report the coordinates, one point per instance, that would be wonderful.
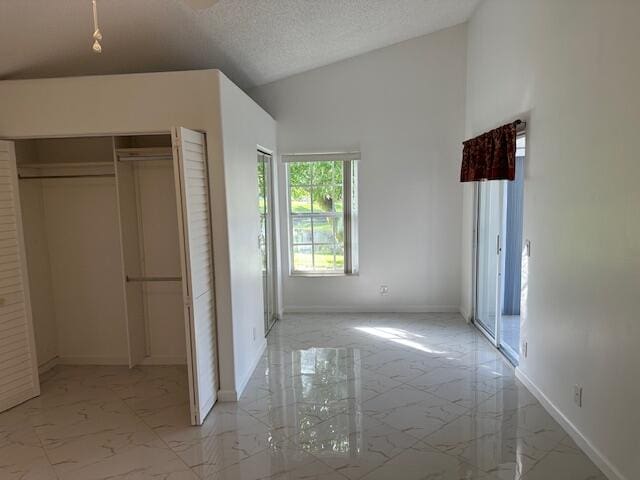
(97, 34)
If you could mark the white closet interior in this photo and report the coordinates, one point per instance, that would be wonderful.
(72, 243)
(151, 249)
(118, 248)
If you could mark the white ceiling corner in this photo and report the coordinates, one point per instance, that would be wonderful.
(253, 41)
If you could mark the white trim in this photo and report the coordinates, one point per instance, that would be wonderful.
(372, 309)
(65, 165)
(264, 150)
(596, 456)
(319, 274)
(234, 395)
(320, 157)
(48, 365)
(89, 360)
(164, 360)
(227, 396)
(152, 360)
(85, 135)
(466, 315)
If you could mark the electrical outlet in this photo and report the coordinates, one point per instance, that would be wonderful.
(254, 334)
(525, 348)
(577, 395)
(384, 289)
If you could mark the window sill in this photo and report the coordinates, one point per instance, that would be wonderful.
(321, 275)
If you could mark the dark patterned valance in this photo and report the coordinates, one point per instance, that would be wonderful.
(490, 156)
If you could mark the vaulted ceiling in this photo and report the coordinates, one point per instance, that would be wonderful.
(253, 41)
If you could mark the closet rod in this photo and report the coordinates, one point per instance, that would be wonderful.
(153, 279)
(30, 177)
(148, 157)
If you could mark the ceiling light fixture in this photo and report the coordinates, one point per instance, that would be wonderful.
(97, 35)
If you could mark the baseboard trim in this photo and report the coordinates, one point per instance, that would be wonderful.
(48, 365)
(234, 395)
(82, 360)
(596, 456)
(227, 396)
(465, 314)
(154, 360)
(372, 309)
(164, 360)
(243, 384)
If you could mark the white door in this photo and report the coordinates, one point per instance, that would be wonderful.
(18, 363)
(192, 190)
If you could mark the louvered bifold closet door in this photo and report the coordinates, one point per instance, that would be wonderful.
(192, 189)
(18, 363)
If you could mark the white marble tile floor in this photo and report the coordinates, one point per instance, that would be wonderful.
(352, 396)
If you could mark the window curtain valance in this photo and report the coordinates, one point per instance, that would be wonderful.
(490, 156)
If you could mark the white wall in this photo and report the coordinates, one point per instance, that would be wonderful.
(245, 126)
(158, 221)
(573, 68)
(77, 303)
(81, 224)
(144, 103)
(403, 107)
(38, 265)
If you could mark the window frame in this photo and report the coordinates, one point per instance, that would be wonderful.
(349, 196)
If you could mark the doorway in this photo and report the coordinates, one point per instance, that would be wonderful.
(499, 247)
(266, 239)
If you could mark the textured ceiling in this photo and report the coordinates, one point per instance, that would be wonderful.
(252, 41)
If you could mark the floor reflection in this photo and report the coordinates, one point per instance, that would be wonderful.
(327, 379)
(334, 397)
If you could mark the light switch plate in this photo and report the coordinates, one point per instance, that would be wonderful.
(577, 395)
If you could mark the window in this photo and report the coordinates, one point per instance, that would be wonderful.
(322, 201)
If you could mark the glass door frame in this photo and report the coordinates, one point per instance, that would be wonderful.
(494, 338)
(270, 297)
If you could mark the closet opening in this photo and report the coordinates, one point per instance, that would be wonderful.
(118, 247)
(71, 226)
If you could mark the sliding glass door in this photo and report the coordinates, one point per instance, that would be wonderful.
(499, 250)
(489, 255)
(509, 334)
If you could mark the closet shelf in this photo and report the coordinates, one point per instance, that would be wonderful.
(65, 165)
(66, 170)
(44, 177)
(147, 153)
